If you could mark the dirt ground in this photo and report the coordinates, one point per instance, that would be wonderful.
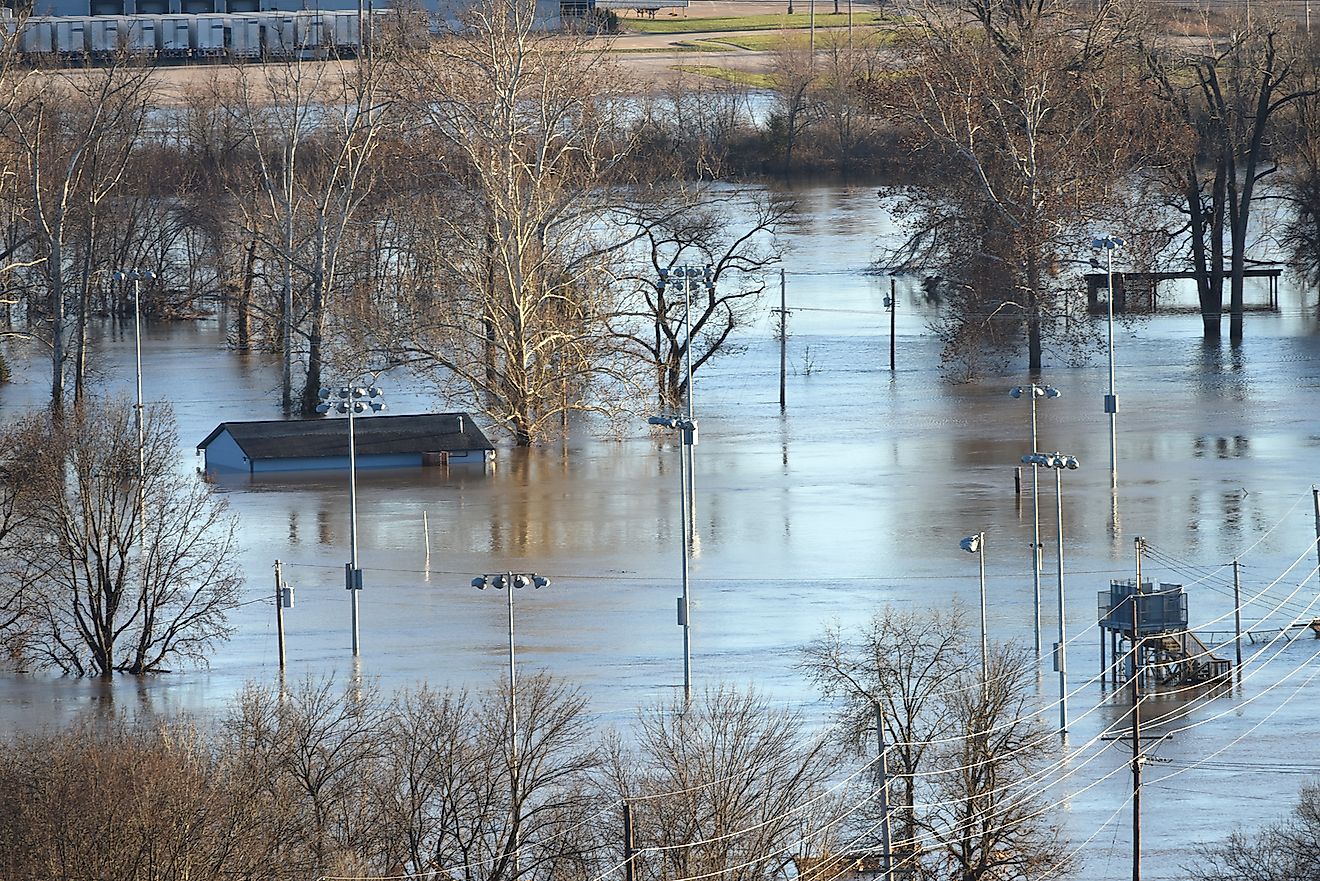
(652, 68)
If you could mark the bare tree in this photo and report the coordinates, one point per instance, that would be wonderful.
(728, 785)
(794, 76)
(1241, 85)
(513, 319)
(312, 752)
(458, 800)
(110, 800)
(314, 130)
(894, 668)
(733, 234)
(73, 132)
(126, 582)
(984, 825)
(1019, 110)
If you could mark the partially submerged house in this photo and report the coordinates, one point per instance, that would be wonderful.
(380, 442)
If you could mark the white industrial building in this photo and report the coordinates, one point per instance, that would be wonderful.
(74, 30)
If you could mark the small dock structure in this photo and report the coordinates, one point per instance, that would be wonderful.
(1170, 653)
(1138, 293)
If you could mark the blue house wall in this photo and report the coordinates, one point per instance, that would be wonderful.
(331, 463)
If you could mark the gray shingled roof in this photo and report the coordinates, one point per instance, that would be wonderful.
(374, 435)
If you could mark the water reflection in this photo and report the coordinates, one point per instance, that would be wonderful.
(854, 497)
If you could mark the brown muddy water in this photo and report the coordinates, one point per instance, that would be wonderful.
(854, 498)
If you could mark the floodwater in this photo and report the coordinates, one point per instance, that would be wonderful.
(854, 498)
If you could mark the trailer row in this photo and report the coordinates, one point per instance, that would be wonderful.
(219, 35)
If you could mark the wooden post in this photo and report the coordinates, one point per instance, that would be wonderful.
(279, 612)
(1017, 481)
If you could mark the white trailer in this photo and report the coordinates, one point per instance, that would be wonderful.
(71, 36)
(173, 35)
(244, 36)
(38, 37)
(137, 34)
(208, 35)
(345, 30)
(279, 35)
(314, 32)
(104, 33)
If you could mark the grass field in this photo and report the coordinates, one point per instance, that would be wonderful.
(771, 22)
(769, 42)
(741, 77)
(684, 46)
(754, 42)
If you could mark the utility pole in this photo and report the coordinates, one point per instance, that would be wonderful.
(893, 321)
(1137, 758)
(783, 341)
(885, 842)
(1237, 616)
(628, 853)
(279, 612)
(812, 16)
(1315, 497)
(1140, 545)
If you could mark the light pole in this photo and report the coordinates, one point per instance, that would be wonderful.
(688, 429)
(1110, 244)
(689, 273)
(1033, 392)
(137, 276)
(1058, 461)
(975, 544)
(510, 581)
(351, 399)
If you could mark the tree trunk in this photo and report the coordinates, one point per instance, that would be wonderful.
(315, 344)
(286, 304)
(243, 320)
(1033, 312)
(1207, 292)
(55, 274)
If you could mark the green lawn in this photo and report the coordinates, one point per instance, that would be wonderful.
(753, 42)
(771, 22)
(741, 77)
(684, 46)
(769, 42)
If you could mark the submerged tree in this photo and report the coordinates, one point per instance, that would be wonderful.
(1022, 114)
(69, 136)
(511, 318)
(727, 761)
(729, 237)
(963, 750)
(1229, 94)
(127, 576)
(313, 131)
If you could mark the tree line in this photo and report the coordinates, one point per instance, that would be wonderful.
(1041, 123)
(473, 207)
(317, 780)
(491, 207)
